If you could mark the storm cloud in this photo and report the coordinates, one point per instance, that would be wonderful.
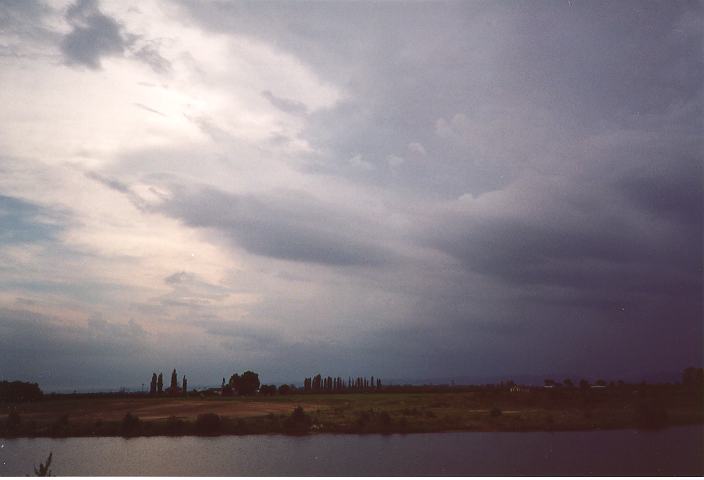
(94, 35)
(428, 190)
(287, 225)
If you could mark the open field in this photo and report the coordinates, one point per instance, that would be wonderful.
(486, 410)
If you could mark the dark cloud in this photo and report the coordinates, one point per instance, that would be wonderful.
(284, 104)
(289, 226)
(94, 35)
(40, 348)
(577, 236)
(670, 189)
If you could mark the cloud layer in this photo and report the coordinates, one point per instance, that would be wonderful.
(428, 190)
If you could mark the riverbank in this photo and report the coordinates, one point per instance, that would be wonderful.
(483, 411)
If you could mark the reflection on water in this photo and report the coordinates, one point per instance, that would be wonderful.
(674, 451)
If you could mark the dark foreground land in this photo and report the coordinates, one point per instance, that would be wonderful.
(400, 411)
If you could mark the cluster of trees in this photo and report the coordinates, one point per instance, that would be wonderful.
(338, 384)
(272, 390)
(693, 377)
(19, 391)
(245, 384)
(156, 386)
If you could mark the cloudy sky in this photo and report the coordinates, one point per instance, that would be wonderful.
(404, 189)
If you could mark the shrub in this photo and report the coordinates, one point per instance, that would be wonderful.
(385, 420)
(174, 425)
(364, 418)
(298, 423)
(651, 414)
(130, 424)
(60, 426)
(267, 390)
(14, 420)
(208, 424)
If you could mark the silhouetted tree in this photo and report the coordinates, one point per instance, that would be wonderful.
(284, 389)
(584, 384)
(173, 388)
(317, 380)
(19, 391)
(246, 384)
(160, 383)
(267, 389)
(185, 386)
(549, 382)
(307, 385)
(378, 384)
(568, 382)
(152, 385)
(601, 382)
(227, 389)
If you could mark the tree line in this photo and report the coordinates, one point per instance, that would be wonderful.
(338, 384)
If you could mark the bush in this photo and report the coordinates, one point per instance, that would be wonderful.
(298, 423)
(14, 420)
(385, 420)
(60, 427)
(496, 412)
(651, 414)
(130, 424)
(174, 425)
(208, 424)
(267, 390)
(284, 389)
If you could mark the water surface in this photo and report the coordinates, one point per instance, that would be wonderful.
(674, 451)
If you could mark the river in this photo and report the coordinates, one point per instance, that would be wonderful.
(673, 451)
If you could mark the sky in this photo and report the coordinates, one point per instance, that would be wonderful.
(410, 190)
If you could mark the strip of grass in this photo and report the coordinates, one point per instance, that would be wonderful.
(364, 413)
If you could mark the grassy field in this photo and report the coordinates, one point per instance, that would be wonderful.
(379, 412)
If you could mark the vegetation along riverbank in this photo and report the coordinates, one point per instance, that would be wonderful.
(389, 410)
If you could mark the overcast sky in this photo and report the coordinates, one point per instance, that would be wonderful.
(403, 189)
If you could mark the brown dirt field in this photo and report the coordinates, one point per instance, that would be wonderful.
(90, 410)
